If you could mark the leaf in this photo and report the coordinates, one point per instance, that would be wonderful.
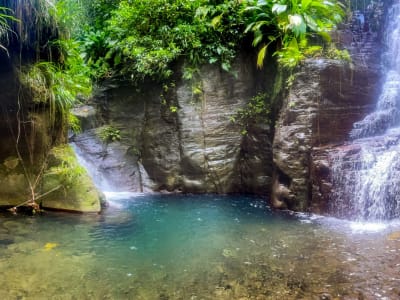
(226, 66)
(202, 11)
(310, 22)
(325, 36)
(216, 21)
(293, 45)
(249, 8)
(249, 27)
(117, 59)
(257, 39)
(261, 56)
(279, 8)
(305, 4)
(297, 24)
(261, 2)
(323, 6)
(5, 49)
(109, 54)
(259, 24)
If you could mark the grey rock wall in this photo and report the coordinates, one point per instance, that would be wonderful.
(181, 137)
(325, 100)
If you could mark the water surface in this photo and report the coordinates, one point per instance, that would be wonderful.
(196, 247)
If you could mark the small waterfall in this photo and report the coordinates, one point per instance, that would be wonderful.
(112, 167)
(366, 172)
(93, 169)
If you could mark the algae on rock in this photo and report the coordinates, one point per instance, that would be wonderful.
(76, 191)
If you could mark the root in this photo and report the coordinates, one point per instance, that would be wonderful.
(32, 202)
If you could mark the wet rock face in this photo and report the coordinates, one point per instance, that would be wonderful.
(327, 97)
(215, 156)
(181, 137)
(33, 138)
(362, 178)
(325, 100)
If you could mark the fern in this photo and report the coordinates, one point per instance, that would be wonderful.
(5, 28)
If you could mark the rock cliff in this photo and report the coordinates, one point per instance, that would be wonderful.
(325, 100)
(181, 137)
(28, 141)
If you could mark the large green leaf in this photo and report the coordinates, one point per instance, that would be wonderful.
(279, 8)
(305, 4)
(261, 56)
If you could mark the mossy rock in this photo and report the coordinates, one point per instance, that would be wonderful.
(14, 189)
(74, 189)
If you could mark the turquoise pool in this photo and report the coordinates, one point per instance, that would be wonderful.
(195, 247)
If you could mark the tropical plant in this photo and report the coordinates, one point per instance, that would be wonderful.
(289, 24)
(138, 40)
(58, 84)
(52, 74)
(37, 24)
(5, 28)
(257, 110)
(109, 134)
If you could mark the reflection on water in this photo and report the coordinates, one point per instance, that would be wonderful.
(195, 247)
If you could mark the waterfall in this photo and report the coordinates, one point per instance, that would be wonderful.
(112, 167)
(101, 182)
(366, 172)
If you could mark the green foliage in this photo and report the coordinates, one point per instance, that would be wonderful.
(5, 29)
(36, 26)
(68, 171)
(53, 69)
(335, 53)
(173, 108)
(58, 85)
(74, 123)
(109, 134)
(143, 39)
(289, 25)
(257, 110)
(69, 174)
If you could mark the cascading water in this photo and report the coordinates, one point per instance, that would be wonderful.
(112, 166)
(94, 172)
(366, 172)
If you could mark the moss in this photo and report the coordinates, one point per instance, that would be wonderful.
(75, 190)
(14, 189)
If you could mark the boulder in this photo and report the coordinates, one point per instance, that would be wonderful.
(70, 187)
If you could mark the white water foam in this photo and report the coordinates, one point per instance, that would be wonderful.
(366, 178)
(114, 196)
(361, 227)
